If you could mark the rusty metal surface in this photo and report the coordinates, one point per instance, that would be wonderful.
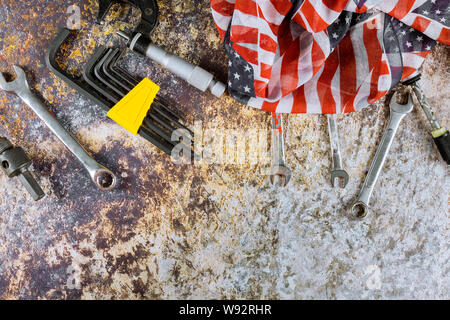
(207, 231)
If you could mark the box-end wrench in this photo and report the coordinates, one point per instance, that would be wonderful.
(103, 178)
(279, 173)
(337, 170)
(397, 112)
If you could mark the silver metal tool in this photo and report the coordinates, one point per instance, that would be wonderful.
(103, 178)
(15, 163)
(337, 170)
(361, 206)
(279, 173)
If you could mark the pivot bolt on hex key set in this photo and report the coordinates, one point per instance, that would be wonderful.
(137, 106)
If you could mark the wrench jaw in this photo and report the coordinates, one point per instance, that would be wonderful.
(398, 111)
(401, 108)
(342, 177)
(280, 176)
(337, 170)
(16, 86)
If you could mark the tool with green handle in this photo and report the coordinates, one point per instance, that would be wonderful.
(440, 134)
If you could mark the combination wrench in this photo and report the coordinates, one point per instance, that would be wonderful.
(279, 173)
(397, 112)
(103, 178)
(337, 171)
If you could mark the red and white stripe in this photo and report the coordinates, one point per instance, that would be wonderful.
(352, 77)
(222, 11)
(298, 72)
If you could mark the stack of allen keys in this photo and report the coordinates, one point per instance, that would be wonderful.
(109, 85)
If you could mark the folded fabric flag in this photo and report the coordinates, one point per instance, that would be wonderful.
(325, 56)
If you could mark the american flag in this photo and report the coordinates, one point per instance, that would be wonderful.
(325, 56)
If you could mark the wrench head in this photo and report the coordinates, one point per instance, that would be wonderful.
(360, 209)
(280, 176)
(401, 108)
(17, 85)
(342, 175)
(105, 180)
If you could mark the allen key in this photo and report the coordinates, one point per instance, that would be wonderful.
(105, 64)
(158, 120)
(151, 135)
(94, 91)
(109, 69)
(90, 79)
(95, 71)
(105, 80)
(109, 73)
(159, 106)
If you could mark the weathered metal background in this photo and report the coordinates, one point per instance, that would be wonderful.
(214, 231)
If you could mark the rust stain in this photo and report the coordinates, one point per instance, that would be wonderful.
(166, 227)
(75, 225)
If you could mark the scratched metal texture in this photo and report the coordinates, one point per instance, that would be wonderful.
(209, 231)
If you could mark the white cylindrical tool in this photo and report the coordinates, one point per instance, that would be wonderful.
(194, 75)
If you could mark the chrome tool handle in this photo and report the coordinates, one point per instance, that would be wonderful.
(380, 158)
(337, 170)
(279, 173)
(397, 113)
(334, 142)
(103, 178)
(278, 154)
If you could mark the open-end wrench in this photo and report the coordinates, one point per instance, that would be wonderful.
(398, 111)
(279, 173)
(337, 170)
(103, 178)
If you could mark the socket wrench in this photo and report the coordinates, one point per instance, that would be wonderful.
(103, 178)
(397, 112)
